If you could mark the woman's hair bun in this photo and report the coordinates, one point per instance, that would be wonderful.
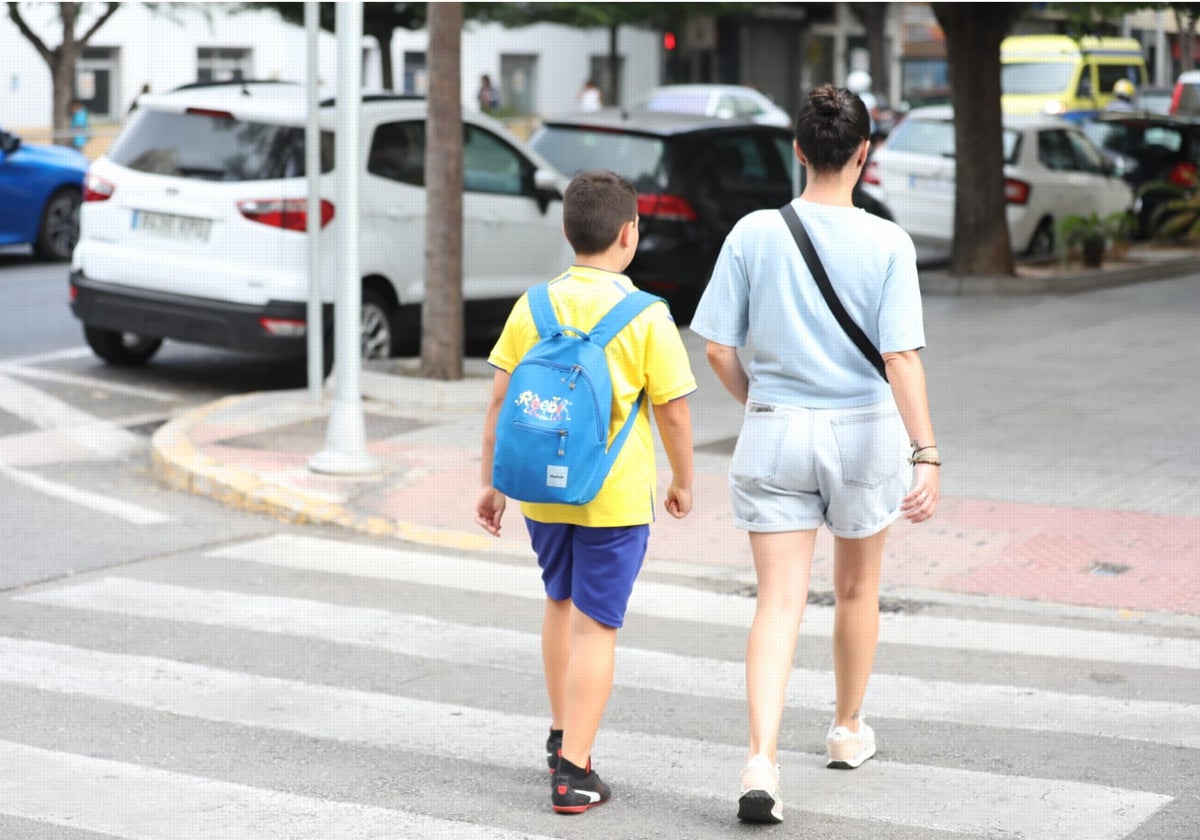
(826, 100)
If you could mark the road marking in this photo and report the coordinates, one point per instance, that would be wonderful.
(889, 696)
(682, 603)
(926, 797)
(88, 382)
(131, 801)
(131, 513)
(85, 430)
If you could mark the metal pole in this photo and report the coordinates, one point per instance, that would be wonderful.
(312, 168)
(345, 450)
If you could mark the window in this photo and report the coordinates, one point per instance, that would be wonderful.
(518, 83)
(598, 71)
(223, 64)
(489, 164)
(492, 166)
(214, 148)
(931, 137)
(1054, 151)
(1087, 157)
(416, 76)
(97, 81)
(637, 158)
(398, 152)
(1110, 74)
(1036, 77)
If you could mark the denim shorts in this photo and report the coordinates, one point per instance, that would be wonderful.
(796, 468)
(594, 567)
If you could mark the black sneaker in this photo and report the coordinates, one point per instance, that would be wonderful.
(574, 796)
(553, 749)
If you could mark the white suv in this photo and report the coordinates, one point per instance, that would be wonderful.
(193, 225)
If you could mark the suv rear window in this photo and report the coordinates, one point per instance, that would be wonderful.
(214, 148)
(635, 157)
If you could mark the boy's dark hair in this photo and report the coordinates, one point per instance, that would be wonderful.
(595, 206)
(831, 126)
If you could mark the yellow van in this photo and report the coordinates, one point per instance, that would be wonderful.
(1057, 74)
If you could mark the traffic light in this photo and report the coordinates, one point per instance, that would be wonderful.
(668, 41)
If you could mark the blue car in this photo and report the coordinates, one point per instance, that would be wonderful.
(40, 191)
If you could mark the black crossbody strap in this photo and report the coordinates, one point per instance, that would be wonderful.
(835, 305)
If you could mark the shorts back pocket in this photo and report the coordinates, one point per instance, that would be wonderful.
(872, 446)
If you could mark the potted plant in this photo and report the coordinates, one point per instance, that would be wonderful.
(1120, 228)
(1088, 234)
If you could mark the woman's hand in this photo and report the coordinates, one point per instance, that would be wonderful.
(921, 502)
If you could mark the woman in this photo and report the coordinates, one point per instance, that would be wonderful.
(825, 438)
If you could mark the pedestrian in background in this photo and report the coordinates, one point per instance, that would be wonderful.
(590, 554)
(824, 439)
(590, 98)
(489, 98)
(80, 126)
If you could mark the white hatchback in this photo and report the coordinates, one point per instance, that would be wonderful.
(193, 225)
(723, 101)
(1051, 170)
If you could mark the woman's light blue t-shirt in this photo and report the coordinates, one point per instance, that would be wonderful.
(761, 291)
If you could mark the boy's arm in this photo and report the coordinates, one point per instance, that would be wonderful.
(489, 508)
(674, 420)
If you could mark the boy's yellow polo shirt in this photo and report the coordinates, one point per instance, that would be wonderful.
(648, 354)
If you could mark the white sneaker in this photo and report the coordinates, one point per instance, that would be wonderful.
(760, 802)
(847, 749)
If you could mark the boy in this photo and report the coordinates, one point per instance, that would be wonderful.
(590, 554)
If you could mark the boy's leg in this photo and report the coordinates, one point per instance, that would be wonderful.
(588, 684)
(856, 572)
(556, 651)
(782, 563)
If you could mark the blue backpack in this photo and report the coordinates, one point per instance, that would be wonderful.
(552, 431)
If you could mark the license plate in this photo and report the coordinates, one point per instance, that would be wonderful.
(170, 226)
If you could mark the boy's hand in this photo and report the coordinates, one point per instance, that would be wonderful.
(489, 510)
(679, 501)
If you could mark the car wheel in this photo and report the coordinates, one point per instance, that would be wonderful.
(378, 326)
(1041, 244)
(121, 348)
(59, 228)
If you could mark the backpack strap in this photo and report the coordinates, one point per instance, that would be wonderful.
(542, 310)
(626, 309)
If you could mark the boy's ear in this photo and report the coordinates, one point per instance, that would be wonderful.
(627, 231)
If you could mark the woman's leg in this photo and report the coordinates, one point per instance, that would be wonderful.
(781, 563)
(856, 570)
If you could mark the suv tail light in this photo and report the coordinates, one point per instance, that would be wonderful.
(96, 188)
(1016, 192)
(871, 174)
(1183, 175)
(672, 208)
(286, 213)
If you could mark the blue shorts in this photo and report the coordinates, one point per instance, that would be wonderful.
(593, 567)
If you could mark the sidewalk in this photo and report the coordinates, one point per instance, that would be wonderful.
(1062, 531)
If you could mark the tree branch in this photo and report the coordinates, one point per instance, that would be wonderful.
(100, 21)
(45, 52)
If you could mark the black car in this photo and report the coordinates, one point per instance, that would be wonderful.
(696, 176)
(1150, 148)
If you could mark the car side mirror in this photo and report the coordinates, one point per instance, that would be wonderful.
(545, 188)
(9, 143)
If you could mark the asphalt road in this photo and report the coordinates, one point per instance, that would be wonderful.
(173, 669)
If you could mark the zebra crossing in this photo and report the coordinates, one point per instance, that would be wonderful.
(323, 657)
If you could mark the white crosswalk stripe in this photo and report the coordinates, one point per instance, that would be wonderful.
(891, 696)
(115, 794)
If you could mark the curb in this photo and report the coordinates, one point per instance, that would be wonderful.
(179, 465)
(942, 283)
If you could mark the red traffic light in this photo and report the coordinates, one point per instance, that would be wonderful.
(668, 41)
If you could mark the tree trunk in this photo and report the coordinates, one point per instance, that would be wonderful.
(614, 66)
(384, 38)
(973, 35)
(442, 311)
(873, 17)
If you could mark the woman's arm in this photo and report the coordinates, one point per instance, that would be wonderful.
(907, 377)
(725, 363)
